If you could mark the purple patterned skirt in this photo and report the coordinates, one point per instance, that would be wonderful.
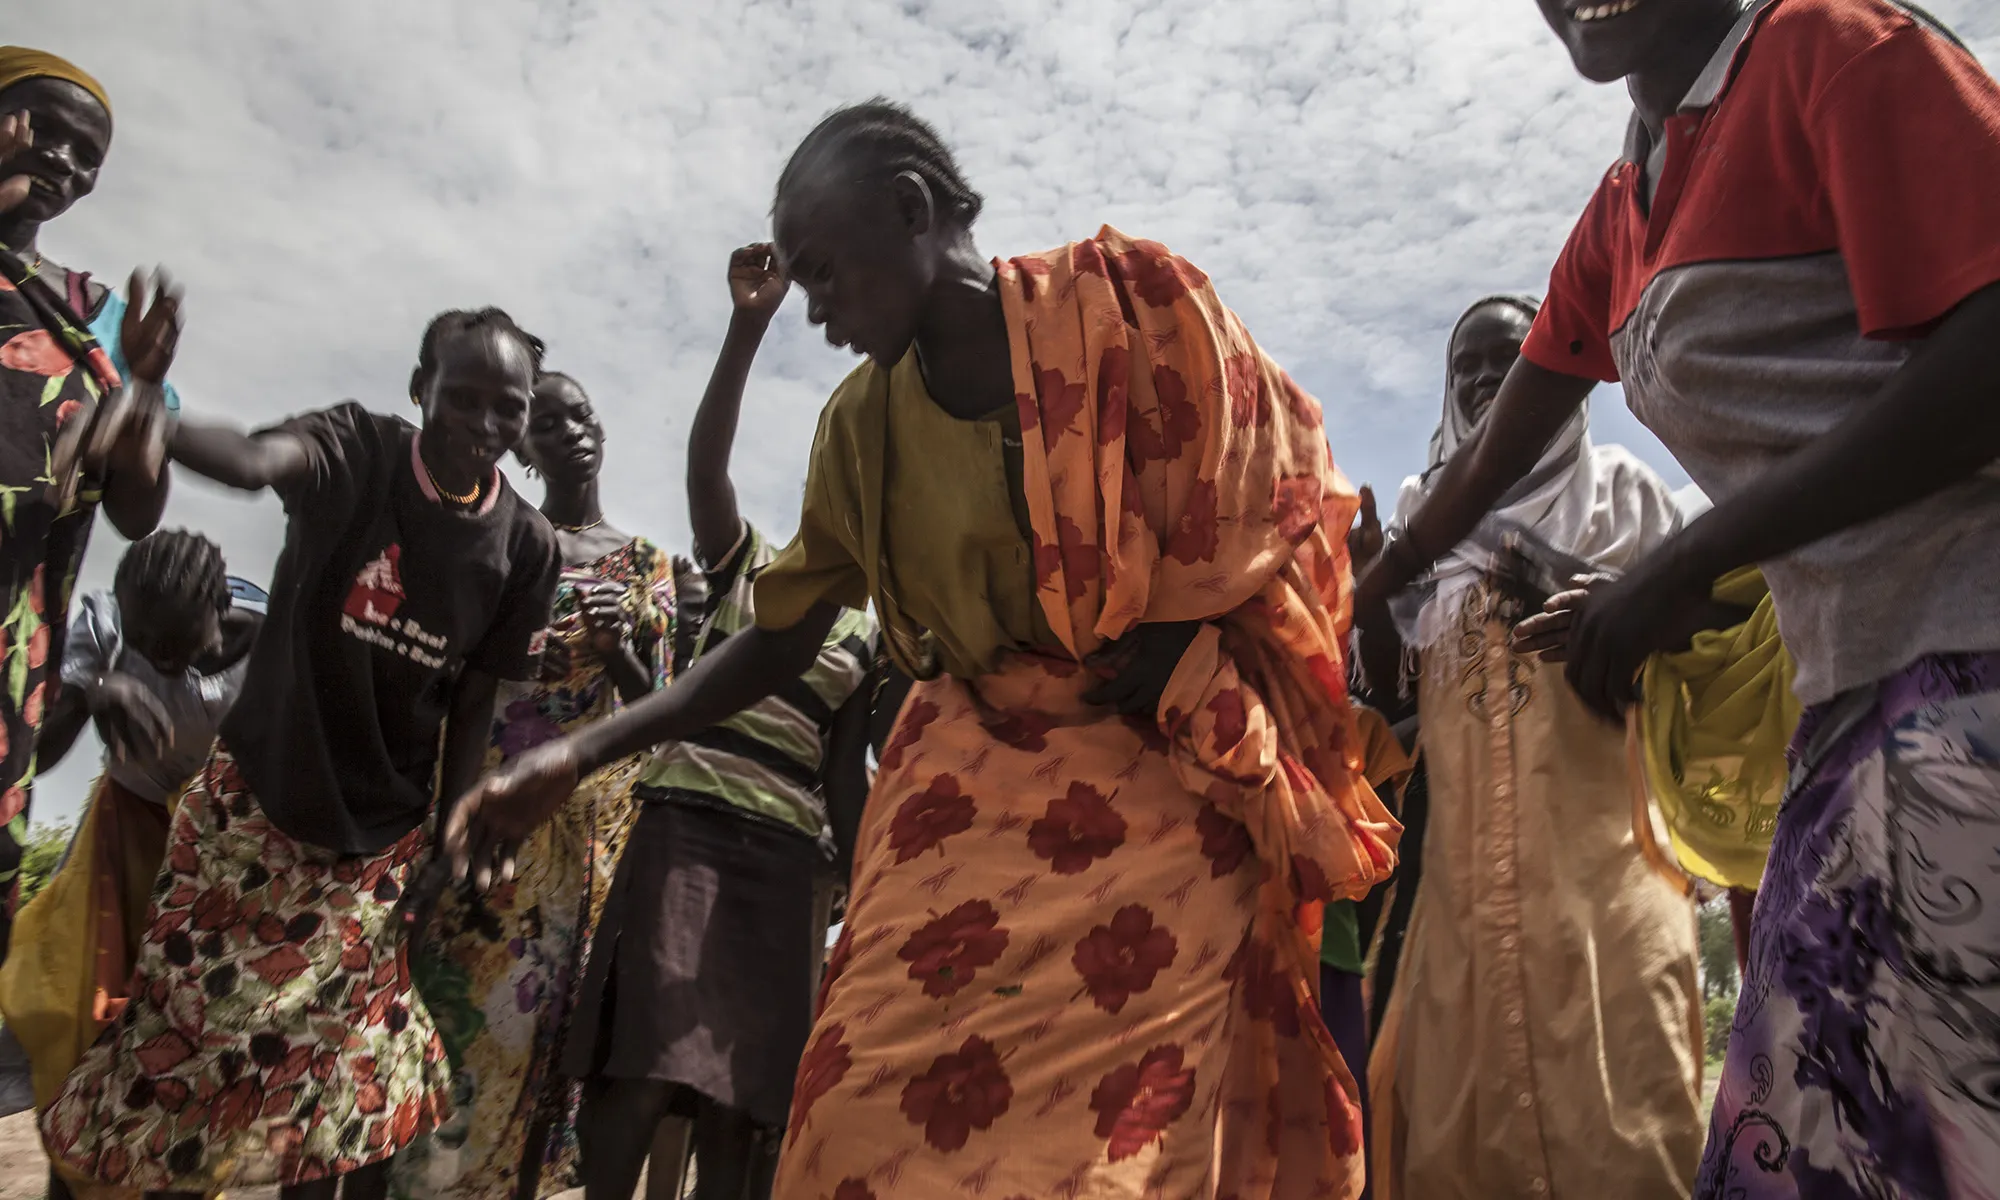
(1864, 1060)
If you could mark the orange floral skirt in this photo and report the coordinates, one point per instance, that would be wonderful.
(1054, 981)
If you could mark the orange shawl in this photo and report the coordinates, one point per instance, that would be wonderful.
(1202, 488)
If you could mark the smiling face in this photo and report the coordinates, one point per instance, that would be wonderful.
(1611, 39)
(475, 403)
(1482, 352)
(72, 134)
(860, 253)
(565, 442)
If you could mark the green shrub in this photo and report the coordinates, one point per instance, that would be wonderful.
(44, 849)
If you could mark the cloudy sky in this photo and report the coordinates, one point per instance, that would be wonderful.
(323, 178)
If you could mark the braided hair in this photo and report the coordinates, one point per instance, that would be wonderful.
(459, 321)
(890, 139)
(174, 577)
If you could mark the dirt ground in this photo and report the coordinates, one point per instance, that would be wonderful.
(24, 1173)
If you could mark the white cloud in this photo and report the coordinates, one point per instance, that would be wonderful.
(326, 177)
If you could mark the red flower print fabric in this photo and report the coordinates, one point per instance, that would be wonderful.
(272, 1035)
(1077, 959)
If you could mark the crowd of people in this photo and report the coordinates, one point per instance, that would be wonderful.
(1190, 830)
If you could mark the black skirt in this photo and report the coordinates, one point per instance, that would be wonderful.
(706, 960)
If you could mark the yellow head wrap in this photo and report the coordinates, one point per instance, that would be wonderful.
(19, 63)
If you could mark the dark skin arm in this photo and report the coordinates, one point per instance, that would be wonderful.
(503, 808)
(845, 776)
(127, 434)
(1933, 424)
(1381, 645)
(611, 639)
(60, 727)
(130, 720)
(237, 459)
(756, 288)
(468, 730)
(1527, 414)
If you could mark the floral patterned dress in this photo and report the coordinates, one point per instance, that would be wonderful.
(51, 371)
(499, 975)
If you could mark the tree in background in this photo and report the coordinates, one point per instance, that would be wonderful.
(41, 855)
(1717, 947)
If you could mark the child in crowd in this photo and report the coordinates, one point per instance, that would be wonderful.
(155, 662)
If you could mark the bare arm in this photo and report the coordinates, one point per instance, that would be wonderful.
(134, 502)
(711, 494)
(237, 459)
(65, 720)
(735, 675)
(503, 808)
(1933, 424)
(1526, 416)
(845, 775)
(468, 731)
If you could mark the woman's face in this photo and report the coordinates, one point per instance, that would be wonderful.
(1482, 352)
(476, 401)
(72, 133)
(859, 253)
(1611, 39)
(565, 442)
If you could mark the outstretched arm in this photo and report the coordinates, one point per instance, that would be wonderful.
(1532, 406)
(506, 807)
(757, 287)
(237, 459)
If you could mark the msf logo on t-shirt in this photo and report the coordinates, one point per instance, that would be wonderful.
(370, 613)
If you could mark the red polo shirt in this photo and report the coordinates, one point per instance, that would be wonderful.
(1828, 190)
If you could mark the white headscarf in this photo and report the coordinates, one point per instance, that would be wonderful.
(1583, 509)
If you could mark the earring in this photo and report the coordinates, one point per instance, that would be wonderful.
(415, 401)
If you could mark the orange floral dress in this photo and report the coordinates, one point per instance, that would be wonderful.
(1080, 950)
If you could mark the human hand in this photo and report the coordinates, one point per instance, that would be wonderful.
(486, 826)
(17, 136)
(557, 660)
(757, 284)
(128, 431)
(1547, 633)
(1622, 623)
(1137, 667)
(1364, 540)
(603, 612)
(130, 719)
(149, 336)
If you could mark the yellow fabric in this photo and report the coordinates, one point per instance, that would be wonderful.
(20, 63)
(953, 556)
(49, 981)
(1714, 725)
(1543, 1035)
(1383, 760)
(64, 979)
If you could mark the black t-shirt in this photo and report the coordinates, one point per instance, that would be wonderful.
(381, 596)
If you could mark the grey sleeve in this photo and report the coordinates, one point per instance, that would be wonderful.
(92, 645)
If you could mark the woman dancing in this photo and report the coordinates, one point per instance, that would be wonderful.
(273, 1035)
(1107, 534)
(1545, 952)
(499, 972)
(1794, 271)
(64, 344)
